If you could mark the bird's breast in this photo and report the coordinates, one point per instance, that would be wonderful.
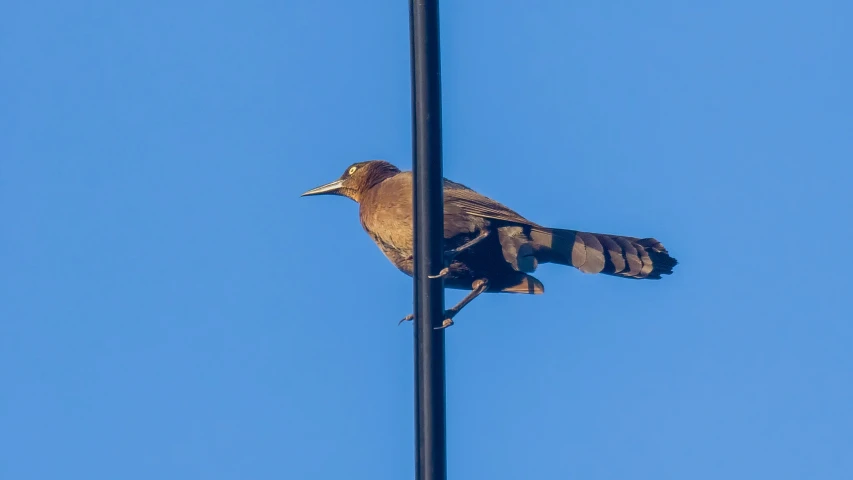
(387, 219)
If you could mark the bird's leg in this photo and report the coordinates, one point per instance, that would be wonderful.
(449, 255)
(477, 287)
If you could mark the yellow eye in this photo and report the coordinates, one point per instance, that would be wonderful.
(352, 170)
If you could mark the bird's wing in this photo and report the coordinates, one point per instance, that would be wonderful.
(589, 252)
(468, 201)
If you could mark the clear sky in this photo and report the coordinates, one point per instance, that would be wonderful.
(170, 307)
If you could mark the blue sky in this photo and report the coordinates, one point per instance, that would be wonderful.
(172, 309)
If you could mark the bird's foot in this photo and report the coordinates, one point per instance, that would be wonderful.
(477, 287)
(448, 318)
(448, 321)
(443, 273)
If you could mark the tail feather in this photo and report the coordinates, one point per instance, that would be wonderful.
(617, 255)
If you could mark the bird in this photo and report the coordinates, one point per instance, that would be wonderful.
(488, 246)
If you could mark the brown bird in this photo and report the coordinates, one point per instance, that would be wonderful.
(490, 247)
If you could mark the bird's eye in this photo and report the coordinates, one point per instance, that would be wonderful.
(352, 170)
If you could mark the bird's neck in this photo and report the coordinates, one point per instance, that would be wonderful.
(374, 178)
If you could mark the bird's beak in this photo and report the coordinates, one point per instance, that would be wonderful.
(332, 188)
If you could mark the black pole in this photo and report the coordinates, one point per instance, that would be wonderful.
(431, 453)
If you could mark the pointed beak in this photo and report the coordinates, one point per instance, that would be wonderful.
(332, 188)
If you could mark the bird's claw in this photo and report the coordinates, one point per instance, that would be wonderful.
(443, 273)
(446, 323)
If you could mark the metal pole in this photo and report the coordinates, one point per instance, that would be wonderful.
(431, 453)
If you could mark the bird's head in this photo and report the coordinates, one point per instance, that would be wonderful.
(357, 179)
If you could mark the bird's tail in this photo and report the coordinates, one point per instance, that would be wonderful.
(602, 253)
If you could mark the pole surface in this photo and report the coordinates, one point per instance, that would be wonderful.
(431, 452)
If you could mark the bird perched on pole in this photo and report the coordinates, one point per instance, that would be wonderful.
(489, 248)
